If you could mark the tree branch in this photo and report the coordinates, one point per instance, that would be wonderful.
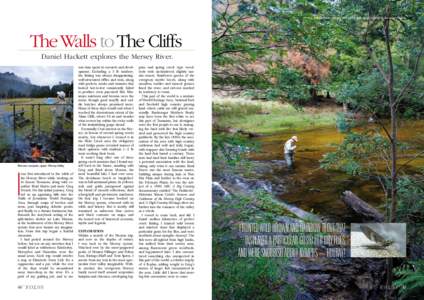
(224, 17)
(411, 78)
(411, 160)
(370, 51)
(248, 49)
(389, 136)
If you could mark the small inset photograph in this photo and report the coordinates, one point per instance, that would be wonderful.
(378, 240)
(36, 114)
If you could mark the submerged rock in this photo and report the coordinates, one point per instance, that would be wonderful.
(218, 192)
(304, 296)
(247, 186)
(238, 184)
(341, 278)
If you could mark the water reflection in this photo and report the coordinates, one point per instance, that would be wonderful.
(312, 188)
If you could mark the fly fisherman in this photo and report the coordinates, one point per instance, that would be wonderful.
(59, 113)
(289, 148)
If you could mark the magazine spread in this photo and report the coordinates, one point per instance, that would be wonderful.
(224, 149)
(104, 119)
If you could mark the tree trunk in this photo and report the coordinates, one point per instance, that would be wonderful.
(314, 94)
(393, 120)
(366, 211)
(328, 95)
(393, 141)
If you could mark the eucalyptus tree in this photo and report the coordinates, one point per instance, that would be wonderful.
(251, 40)
(386, 78)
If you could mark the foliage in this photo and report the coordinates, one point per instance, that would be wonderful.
(411, 200)
(237, 109)
(367, 154)
(291, 48)
(230, 149)
(45, 120)
(245, 278)
(411, 209)
(314, 70)
(373, 49)
(268, 117)
(274, 46)
(256, 28)
(13, 86)
(293, 86)
(264, 201)
(358, 154)
(367, 92)
(364, 154)
(342, 123)
(411, 279)
(359, 66)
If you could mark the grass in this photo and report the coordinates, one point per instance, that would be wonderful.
(237, 277)
(45, 119)
(267, 117)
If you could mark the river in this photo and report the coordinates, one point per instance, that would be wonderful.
(318, 190)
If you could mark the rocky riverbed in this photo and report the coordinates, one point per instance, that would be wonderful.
(314, 278)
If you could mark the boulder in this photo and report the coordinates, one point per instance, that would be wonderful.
(218, 192)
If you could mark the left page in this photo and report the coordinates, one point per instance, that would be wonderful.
(105, 151)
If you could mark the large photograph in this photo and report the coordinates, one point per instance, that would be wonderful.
(318, 149)
(36, 114)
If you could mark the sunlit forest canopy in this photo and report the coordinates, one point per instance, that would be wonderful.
(299, 51)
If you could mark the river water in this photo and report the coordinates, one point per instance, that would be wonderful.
(317, 190)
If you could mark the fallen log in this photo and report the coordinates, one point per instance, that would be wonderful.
(359, 206)
(249, 134)
(235, 130)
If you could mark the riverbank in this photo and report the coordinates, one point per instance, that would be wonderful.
(270, 117)
(237, 199)
(258, 187)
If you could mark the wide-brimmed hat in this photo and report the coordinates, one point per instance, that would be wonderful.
(294, 138)
(61, 94)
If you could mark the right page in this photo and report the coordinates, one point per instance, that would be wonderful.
(318, 149)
